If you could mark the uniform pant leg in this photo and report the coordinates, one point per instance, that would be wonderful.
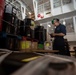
(55, 47)
(62, 50)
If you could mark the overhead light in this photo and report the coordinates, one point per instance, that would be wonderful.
(29, 13)
(40, 24)
(49, 25)
(64, 22)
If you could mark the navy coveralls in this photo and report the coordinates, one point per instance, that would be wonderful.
(59, 43)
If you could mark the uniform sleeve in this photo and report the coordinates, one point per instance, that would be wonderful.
(63, 29)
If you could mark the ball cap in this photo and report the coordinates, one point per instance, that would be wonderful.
(55, 19)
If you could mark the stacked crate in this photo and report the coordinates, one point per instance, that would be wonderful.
(40, 35)
(9, 38)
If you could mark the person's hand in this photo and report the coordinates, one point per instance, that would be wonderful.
(53, 35)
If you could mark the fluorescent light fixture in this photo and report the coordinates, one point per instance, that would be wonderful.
(29, 13)
(49, 25)
(40, 24)
(64, 22)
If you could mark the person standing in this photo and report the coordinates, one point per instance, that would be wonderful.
(59, 33)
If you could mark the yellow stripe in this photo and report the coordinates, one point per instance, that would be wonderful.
(30, 59)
